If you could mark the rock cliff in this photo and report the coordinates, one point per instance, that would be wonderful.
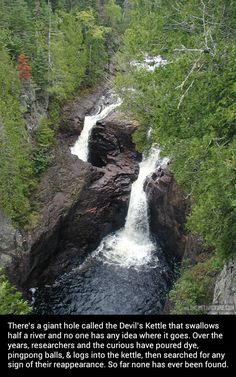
(224, 301)
(73, 112)
(12, 242)
(110, 141)
(167, 210)
(78, 203)
(81, 202)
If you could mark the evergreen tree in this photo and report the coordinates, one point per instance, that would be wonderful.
(189, 103)
(14, 157)
(94, 40)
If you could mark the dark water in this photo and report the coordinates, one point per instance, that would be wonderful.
(127, 274)
(102, 288)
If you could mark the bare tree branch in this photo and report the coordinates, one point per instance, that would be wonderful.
(49, 34)
(185, 49)
(213, 43)
(204, 23)
(184, 94)
(195, 65)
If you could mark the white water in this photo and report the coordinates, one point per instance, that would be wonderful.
(123, 275)
(149, 63)
(81, 147)
(132, 245)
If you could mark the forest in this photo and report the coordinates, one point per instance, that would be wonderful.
(189, 105)
(51, 50)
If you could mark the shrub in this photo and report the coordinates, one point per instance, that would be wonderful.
(194, 288)
(11, 301)
(44, 138)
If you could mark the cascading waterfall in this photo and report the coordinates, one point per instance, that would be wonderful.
(81, 147)
(127, 273)
(132, 246)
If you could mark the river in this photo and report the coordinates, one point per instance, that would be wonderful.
(127, 273)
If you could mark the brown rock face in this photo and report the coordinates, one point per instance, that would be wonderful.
(59, 191)
(167, 209)
(80, 204)
(74, 112)
(110, 141)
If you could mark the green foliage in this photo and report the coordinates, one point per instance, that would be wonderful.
(64, 40)
(11, 301)
(95, 46)
(114, 19)
(189, 103)
(16, 17)
(42, 156)
(65, 44)
(15, 167)
(194, 288)
(113, 14)
(69, 56)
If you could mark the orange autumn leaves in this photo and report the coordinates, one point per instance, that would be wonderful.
(24, 68)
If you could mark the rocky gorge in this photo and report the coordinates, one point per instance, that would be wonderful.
(81, 202)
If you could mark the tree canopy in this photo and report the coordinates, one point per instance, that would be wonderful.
(188, 102)
(49, 50)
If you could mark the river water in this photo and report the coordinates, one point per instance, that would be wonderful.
(127, 273)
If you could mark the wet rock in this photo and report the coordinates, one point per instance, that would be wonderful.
(74, 112)
(58, 193)
(101, 209)
(79, 205)
(167, 211)
(111, 140)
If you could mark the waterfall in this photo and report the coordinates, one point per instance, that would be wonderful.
(126, 274)
(132, 245)
(81, 147)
